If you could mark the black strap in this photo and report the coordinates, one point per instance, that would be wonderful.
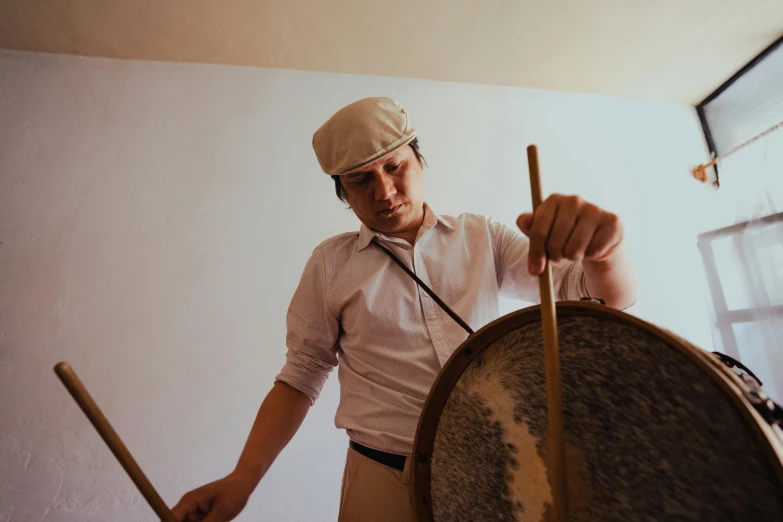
(387, 459)
(424, 287)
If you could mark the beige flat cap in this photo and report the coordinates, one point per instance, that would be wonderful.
(361, 133)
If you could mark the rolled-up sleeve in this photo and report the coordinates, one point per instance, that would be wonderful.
(511, 249)
(312, 332)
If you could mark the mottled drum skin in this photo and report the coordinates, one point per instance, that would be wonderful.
(649, 433)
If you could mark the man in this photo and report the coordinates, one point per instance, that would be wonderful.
(356, 309)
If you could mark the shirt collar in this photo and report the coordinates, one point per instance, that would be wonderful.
(431, 218)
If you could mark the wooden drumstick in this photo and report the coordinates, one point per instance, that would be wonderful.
(551, 363)
(110, 437)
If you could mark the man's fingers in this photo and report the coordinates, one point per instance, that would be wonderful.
(215, 517)
(606, 238)
(565, 219)
(568, 227)
(217, 514)
(582, 235)
(187, 505)
(194, 505)
(535, 261)
(543, 218)
(524, 221)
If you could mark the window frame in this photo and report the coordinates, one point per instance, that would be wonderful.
(717, 92)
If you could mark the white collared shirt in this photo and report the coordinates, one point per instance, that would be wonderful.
(355, 309)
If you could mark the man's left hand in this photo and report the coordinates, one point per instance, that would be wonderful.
(568, 227)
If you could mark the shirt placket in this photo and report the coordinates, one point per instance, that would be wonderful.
(431, 311)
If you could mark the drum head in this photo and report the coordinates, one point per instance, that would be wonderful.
(653, 430)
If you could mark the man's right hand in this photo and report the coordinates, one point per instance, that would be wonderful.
(218, 501)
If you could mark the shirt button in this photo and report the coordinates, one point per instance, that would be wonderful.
(438, 336)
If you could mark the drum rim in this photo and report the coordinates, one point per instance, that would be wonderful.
(475, 344)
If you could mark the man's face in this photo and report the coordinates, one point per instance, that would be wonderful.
(388, 195)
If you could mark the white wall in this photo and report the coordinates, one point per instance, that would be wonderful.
(154, 219)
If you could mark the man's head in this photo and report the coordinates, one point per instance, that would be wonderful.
(372, 153)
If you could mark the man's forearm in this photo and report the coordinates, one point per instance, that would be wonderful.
(611, 279)
(278, 419)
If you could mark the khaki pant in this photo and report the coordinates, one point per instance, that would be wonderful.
(373, 492)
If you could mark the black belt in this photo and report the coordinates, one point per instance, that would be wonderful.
(387, 459)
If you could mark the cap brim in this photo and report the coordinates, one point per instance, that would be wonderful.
(394, 147)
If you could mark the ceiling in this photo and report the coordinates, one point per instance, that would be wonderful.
(670, 50)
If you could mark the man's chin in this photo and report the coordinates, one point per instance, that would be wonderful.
(391, 225)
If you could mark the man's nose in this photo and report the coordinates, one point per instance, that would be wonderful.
(384, 188)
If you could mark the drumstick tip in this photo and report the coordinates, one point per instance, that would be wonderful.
(62, 368)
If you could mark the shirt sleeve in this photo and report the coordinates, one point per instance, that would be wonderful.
(312, 334)
(511, 249)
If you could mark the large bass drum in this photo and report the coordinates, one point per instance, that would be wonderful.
(655, 428)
